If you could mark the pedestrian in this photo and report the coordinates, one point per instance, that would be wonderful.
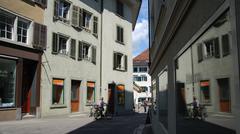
(145, 106)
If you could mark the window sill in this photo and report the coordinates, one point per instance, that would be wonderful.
(7, 108)
(61, 20)
(120, 70)
(120, 42)
(56, 106)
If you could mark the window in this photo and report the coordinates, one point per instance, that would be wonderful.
(211, 48)
(135, 77)
(120, 62)
(143, 69)
(95, 26)
(86, 19)
(60, 43)
(6, 25)
(120, 8)
(87, 52)
(61, 10)
(22, 29)
(90, 92)
(135, 69)
(143, 78)
(120, 34)
(121, 94)
(8, 82)
(204, 91)
(144, 89)
(225, 45)
(42, 3)
(58, 92)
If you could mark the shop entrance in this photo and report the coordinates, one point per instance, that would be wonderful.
(75, 88)
(29, 87)
(224, 95)
(111, 94)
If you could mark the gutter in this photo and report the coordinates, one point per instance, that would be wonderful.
(101, 48)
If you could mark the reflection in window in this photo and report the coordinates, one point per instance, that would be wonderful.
(90, 92)
(7, 82)
(205, 72)
(121, 94)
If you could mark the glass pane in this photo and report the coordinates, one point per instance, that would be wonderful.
(58, 91)
(8, 81)
(203, 88)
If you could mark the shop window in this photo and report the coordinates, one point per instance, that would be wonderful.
(6, 25)
(22, 30)
(121, 94)
(120, 61)
(8, 82)
(60, 43)
(58, 92)
(61, 10)
(90, 92)
(205, 91)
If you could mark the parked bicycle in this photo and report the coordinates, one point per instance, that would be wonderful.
(196, 112)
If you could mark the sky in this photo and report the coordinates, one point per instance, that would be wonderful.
(140, 33)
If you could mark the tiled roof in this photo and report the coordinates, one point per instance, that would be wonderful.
(142, 57)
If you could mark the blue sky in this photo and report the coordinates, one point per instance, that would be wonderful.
(140, 34)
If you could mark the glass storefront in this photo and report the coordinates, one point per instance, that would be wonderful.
(204, 78)
(7, 83)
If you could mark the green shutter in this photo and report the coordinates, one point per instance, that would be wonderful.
(200, 53)
(216, 47)
(56, 6)
(125, 62)
(73, 49)
(225, 45)
(55, 43)
(75, 16)
(94, 54)
(80, 51)
(95, 26)
(114, 60)
(80, 17)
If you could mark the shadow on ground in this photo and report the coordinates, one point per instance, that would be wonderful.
(117, 125)
(195, 126)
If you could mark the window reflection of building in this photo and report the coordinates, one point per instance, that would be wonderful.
(90, 92)
(205, 68)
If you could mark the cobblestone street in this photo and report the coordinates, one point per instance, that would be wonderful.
(74, 125)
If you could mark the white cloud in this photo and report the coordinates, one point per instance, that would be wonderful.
(140, 37)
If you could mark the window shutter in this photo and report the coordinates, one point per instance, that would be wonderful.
(118, 33)
(225, 45)
(75, 16)
(114, 60)
(55, 43)
(80, 17)
(125, 62)
(95, 26)
(36, 31)
(122, 34)
(56, 5)
(80, 51)
(43, 37)
(73, 49)
(216, 47)
(94, 54)
(200, 52)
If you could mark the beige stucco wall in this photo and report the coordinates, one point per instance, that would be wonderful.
(29, 10)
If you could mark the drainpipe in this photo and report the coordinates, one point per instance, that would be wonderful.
(101, 48)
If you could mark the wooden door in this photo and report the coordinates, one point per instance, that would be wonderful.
(75, 101)
(224, 95)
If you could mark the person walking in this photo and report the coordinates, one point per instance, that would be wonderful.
(145, 106)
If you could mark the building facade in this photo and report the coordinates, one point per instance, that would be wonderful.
(194, 54)
(142, 78)
(88, 55)
(22, 42)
